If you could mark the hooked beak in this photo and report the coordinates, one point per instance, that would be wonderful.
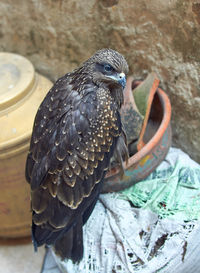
(120, 78)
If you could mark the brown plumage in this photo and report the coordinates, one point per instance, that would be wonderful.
(75, 133)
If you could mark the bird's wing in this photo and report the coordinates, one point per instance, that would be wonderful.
(73, 140)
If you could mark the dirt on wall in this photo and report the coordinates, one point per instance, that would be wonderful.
(155, 35)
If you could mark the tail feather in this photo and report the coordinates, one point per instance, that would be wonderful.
(63, 246)
(77, 249)
(46, 236)
(68, 241)
(70, 245)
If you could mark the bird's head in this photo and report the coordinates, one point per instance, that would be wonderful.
(109, 69)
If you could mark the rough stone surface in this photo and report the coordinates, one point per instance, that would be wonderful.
(154, 35)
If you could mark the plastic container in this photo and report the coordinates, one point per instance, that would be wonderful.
(21, 92)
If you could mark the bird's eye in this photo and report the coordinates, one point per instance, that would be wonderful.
(108, 68)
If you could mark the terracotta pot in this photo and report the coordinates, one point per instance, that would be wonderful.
(21, 92)
(153, 143)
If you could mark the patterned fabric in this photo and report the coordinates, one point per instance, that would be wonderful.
(172, 190)
(162, 235)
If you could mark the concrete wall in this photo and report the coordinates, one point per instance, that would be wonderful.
(153, 35)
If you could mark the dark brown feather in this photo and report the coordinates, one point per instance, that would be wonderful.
(74, 136)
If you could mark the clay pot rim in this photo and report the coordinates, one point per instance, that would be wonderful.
(159, 133)
(145, 150)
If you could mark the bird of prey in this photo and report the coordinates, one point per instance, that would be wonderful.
(76, 130)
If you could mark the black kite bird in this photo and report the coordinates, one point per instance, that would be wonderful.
(76, 131)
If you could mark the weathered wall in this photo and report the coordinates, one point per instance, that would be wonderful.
(163, 36)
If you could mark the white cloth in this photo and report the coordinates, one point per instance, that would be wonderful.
(120, 238)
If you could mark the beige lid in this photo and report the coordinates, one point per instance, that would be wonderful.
(16, 79)
(21, 92)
